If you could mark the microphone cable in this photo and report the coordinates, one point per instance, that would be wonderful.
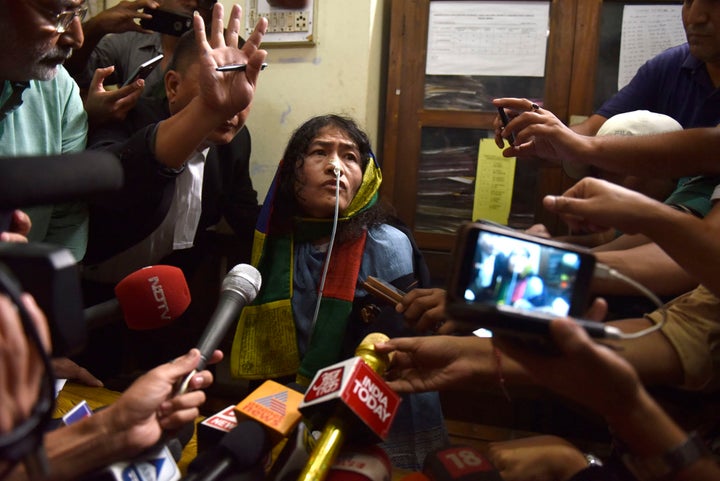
(603, 271)
(25, 441)
(336, 215)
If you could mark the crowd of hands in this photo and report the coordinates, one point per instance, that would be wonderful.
(148, 409)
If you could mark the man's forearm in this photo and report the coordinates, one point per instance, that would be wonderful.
(647, 264)
(80, 448)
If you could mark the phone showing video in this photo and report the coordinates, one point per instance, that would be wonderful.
(166, 21)
(506, 280)
(144, 70)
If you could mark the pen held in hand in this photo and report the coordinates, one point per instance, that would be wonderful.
(238, 67)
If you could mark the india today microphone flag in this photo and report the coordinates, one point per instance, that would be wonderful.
(349, 397)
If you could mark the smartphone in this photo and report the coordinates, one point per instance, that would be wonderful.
(143, 70)
(514, 283)
(505, 120)
(166, 21)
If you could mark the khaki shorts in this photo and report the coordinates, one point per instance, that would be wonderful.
(693, 328)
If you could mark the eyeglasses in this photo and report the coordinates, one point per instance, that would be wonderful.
(64, 19)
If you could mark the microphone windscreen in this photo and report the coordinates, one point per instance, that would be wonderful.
(243, 279)
(153, 296)
(31, 181)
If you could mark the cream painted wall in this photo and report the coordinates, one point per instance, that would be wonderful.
(342, 73)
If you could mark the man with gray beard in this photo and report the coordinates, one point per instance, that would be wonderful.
(41, 112)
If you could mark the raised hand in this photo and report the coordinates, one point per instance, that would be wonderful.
(227, 93)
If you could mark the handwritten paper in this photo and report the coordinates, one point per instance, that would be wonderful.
(647, 30)
(493, 183)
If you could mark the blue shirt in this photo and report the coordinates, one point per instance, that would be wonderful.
(673, 83)
(676, 84)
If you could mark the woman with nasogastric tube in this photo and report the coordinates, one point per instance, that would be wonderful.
(312, 215)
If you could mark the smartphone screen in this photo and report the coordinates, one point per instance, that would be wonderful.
(521, 274)
(498, 271)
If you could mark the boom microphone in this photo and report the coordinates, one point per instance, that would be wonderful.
(239, 288)
(356, 398)
(32, 181)
(148, 298)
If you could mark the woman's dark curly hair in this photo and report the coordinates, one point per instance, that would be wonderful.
(286, 203)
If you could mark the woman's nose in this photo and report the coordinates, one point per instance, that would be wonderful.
(335, 165)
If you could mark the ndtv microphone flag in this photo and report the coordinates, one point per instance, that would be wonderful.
(354, 384)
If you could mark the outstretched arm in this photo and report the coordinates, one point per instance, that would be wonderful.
(601, 380)
(222, 94)
(595, 205)
(133, 423)
(539, 133)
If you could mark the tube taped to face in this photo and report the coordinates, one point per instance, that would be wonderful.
(337, 169)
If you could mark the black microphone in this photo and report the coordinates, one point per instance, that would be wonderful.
(239, 288)
(32, 181)
(242, 450)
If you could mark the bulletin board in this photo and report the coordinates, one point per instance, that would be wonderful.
(286, 27)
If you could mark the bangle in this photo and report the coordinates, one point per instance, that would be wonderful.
(501, 377)
(665, 466)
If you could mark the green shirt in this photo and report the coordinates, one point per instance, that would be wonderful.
(51, 120)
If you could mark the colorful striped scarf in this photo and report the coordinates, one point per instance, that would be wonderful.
(265, 344)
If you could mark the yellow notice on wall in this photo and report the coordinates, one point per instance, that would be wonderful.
(493, 183)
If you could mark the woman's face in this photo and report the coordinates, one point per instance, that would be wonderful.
(316, 180)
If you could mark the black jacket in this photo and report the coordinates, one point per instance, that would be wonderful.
(122, 219)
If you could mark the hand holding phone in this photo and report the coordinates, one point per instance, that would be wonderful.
(143, 70)
(515, 283)
(505, 120)
(167, 22)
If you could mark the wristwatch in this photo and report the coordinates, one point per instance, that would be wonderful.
(655, 468)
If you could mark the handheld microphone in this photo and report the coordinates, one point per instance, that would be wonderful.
(459, 463)
(274, 406)
(239, 288)
(149, 298)
(358, 401)
(241, 450)
(291, 460)
(369, 463)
